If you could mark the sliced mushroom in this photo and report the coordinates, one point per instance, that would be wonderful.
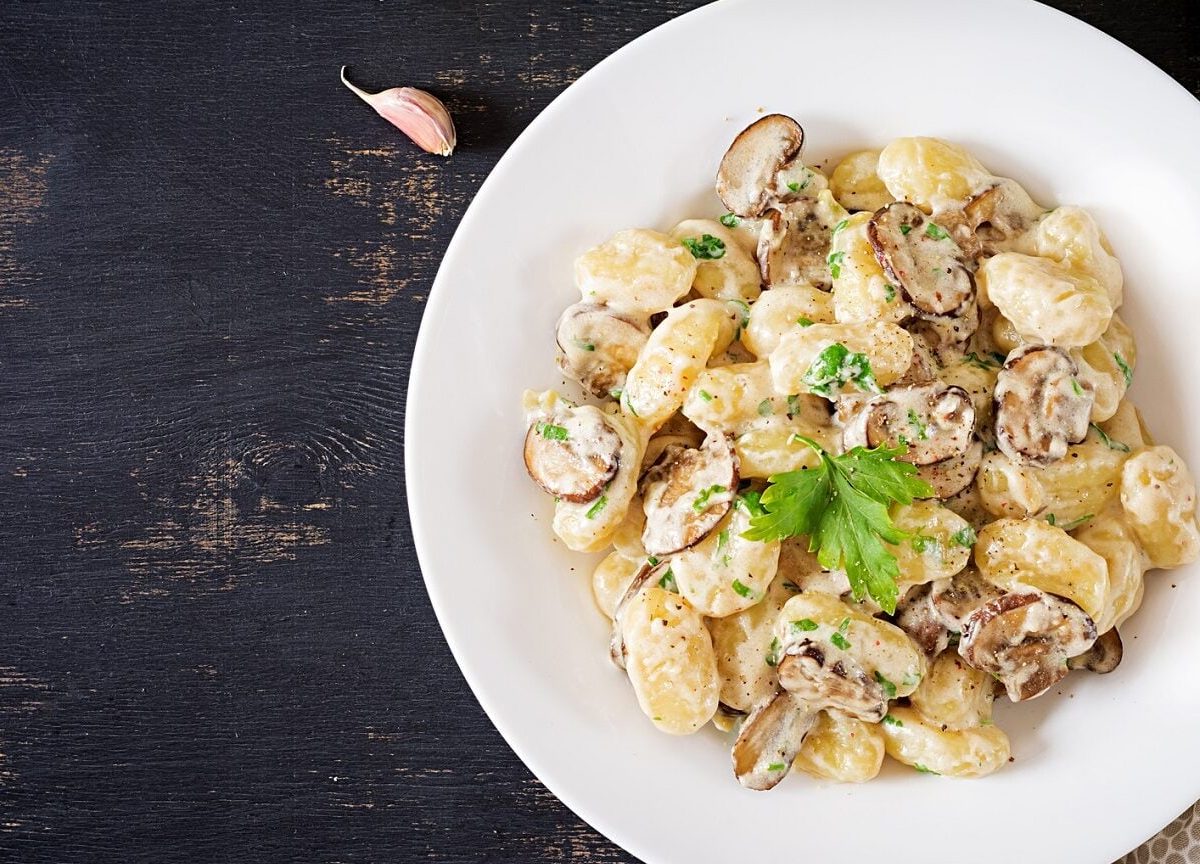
(572, 452)
(828, 677)
(686, 493)
(951, 476)
(945, 332)
(1041, 405)
(1103, 657)
(936, 422)
(1025, 640)
(998, 215)
(954, 599)
(598, 346)
(793, 246)
(921, 258)
(916, 616)
(769, 740)
(746, 178)
(649, 573)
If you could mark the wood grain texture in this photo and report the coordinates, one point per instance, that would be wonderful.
(213, 264)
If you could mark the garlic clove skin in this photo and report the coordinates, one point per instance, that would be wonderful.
(419, 115)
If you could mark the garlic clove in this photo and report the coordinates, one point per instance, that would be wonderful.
(419, 115)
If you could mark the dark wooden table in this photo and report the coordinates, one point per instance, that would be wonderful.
(214, 640)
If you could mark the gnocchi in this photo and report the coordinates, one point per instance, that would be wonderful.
(861, 458)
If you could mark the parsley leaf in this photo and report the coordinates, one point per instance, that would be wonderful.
(742, 589)
(978, 362)
(966, 537)
(701, 501)
(765, 409)
(904, 229)
(837, 366)
(892, 721)
(804, 625)
(935, 232)
(772, 657)
(595, 509)
(706, 396)
(1110, 443)
(804, 322)
(1126, 369)
(729, 220)
(842, 506)
(889, 689)
(840, 641)
(551, 432)
(889, 293)
(705, 246)
(835, 263)
(668, 583)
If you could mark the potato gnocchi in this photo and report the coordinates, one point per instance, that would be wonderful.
(909, 300)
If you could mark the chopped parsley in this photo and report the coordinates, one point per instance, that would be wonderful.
(706, 246)
(595, 509)
(922, 544)
(892, 721)
(793, 403)
(751, 503)
(702, 499)
(668, 582)
(918, 426)
(1078, 390)
(966, 537)
(840, 226)
(706, 396)
(935, 232)
(1051, 518)
(772, 657)
(1075, 523)
(889, 293)
(551, 432)
(889, 689)
(722, 543)
(777, 766)
(741, 589)
(729, 220)
(904, 229)
(980, 363)
(804, 322)
(796, 187)
(835, 263)
(765, 409)
(1126, 369)
(1110, 443)
(842, 507)
(840, 641)
(837, 366)
(925, 770)
(804, 625)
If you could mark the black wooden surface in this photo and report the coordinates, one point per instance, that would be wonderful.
(214, 640)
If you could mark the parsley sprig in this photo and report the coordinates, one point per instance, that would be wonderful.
(842, 506)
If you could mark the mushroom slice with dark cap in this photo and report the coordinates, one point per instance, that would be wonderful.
(955, 598)
(1041, 405)
(1104, 656)
(922, 258)
(916, 616)
(946, 331)
(1025, 640)
(572, 452)
(686, 493)
(793, 246)
(951, 476)
(770, 739)
(997, 215)
(827, 677)
(598, 346)
(936, 422)
(746, 178)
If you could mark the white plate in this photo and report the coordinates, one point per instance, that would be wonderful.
(1036, 95)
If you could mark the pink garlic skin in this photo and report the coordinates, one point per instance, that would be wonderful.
(419, 115)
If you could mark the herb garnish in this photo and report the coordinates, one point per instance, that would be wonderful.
(842, 506)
